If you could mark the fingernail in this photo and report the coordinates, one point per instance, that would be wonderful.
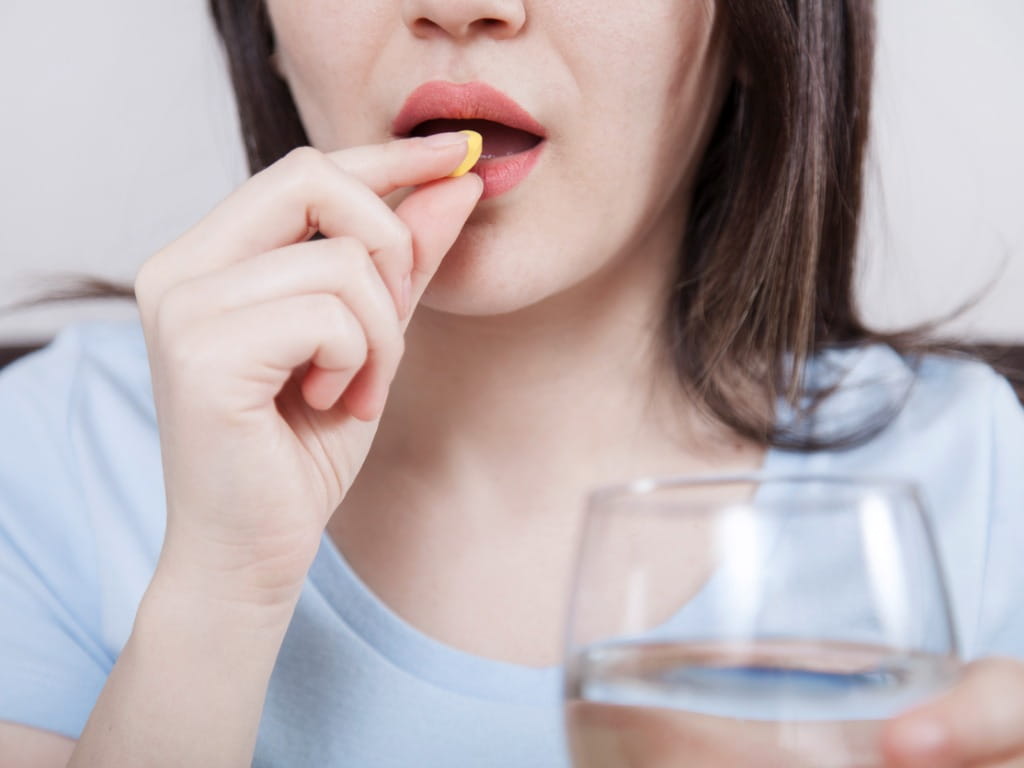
(474, 149)
(406, 296)
(445, 140)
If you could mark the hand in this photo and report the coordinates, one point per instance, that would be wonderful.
(979, 724)
(272, 355)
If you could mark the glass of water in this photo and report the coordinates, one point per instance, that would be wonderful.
(763, 622)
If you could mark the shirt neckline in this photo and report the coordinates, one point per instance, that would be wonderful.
(428, 659)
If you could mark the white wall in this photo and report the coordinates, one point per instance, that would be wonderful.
(118, 133)
(945, 219)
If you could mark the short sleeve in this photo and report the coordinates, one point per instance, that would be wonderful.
(52, 661)
(1001, 630)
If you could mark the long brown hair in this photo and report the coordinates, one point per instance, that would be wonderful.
(765, 274)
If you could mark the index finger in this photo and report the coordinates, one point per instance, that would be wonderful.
(276, 207)
(338, 193)
(385, 168)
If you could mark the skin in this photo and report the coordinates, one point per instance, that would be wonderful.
(527, 335)
(411, 439)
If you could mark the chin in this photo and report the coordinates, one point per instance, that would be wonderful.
(485, 282)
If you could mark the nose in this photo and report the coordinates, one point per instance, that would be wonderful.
(464, 19)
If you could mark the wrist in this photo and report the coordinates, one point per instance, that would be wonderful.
(189, 685)
(188, 592)
(262, 579)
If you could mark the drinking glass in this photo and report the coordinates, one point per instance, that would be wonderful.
(755, 621)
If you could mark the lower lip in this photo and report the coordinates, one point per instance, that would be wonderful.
(503, 174)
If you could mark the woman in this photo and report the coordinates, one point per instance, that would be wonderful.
(393, 543)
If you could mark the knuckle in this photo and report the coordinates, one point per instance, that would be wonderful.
(304, 166)
(359, 265)
(356, 340)
(303, 157)
(343, 258)
(399, 238)
(186, 352)
(376, 288)
(349, 247)
(331, 313)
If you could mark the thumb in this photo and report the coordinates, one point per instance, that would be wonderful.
(978, 722)
(435, 215)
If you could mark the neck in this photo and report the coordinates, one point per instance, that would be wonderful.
(495, 429)
(573, 392)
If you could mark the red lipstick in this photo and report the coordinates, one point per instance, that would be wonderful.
(513, 139)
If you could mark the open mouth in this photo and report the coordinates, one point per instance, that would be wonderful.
(499, 140)
(513, 140)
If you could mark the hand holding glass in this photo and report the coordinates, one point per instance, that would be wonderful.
(756, 622)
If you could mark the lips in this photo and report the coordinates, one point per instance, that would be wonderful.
(513, 139)
(500, 140)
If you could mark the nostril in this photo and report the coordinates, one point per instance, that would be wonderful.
(460, 26)
(491, 25)
(425, 26)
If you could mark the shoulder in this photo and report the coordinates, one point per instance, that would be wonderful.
(950, 423)
(964, 395)
(961, 427)
(73, 405)
(80, 354)
(81, 500)
(957, 431)
(90, 380)
(952, 401)
(45, 396)
(73, 535)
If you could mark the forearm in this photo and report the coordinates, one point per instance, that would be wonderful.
(189, 686)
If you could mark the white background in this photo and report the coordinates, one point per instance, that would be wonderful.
(117, 132)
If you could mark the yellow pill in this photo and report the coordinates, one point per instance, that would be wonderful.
(474, 148)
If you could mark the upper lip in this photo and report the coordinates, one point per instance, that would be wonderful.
(439, 100)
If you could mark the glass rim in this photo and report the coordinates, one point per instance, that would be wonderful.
(646, 488)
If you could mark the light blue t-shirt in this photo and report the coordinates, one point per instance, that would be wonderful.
(82, 518)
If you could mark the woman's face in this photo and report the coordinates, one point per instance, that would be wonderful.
(625, 93)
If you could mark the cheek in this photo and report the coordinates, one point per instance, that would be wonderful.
(325, 54)
(653, 104)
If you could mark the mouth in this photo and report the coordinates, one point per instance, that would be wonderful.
(512, 139)
(499, 140)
